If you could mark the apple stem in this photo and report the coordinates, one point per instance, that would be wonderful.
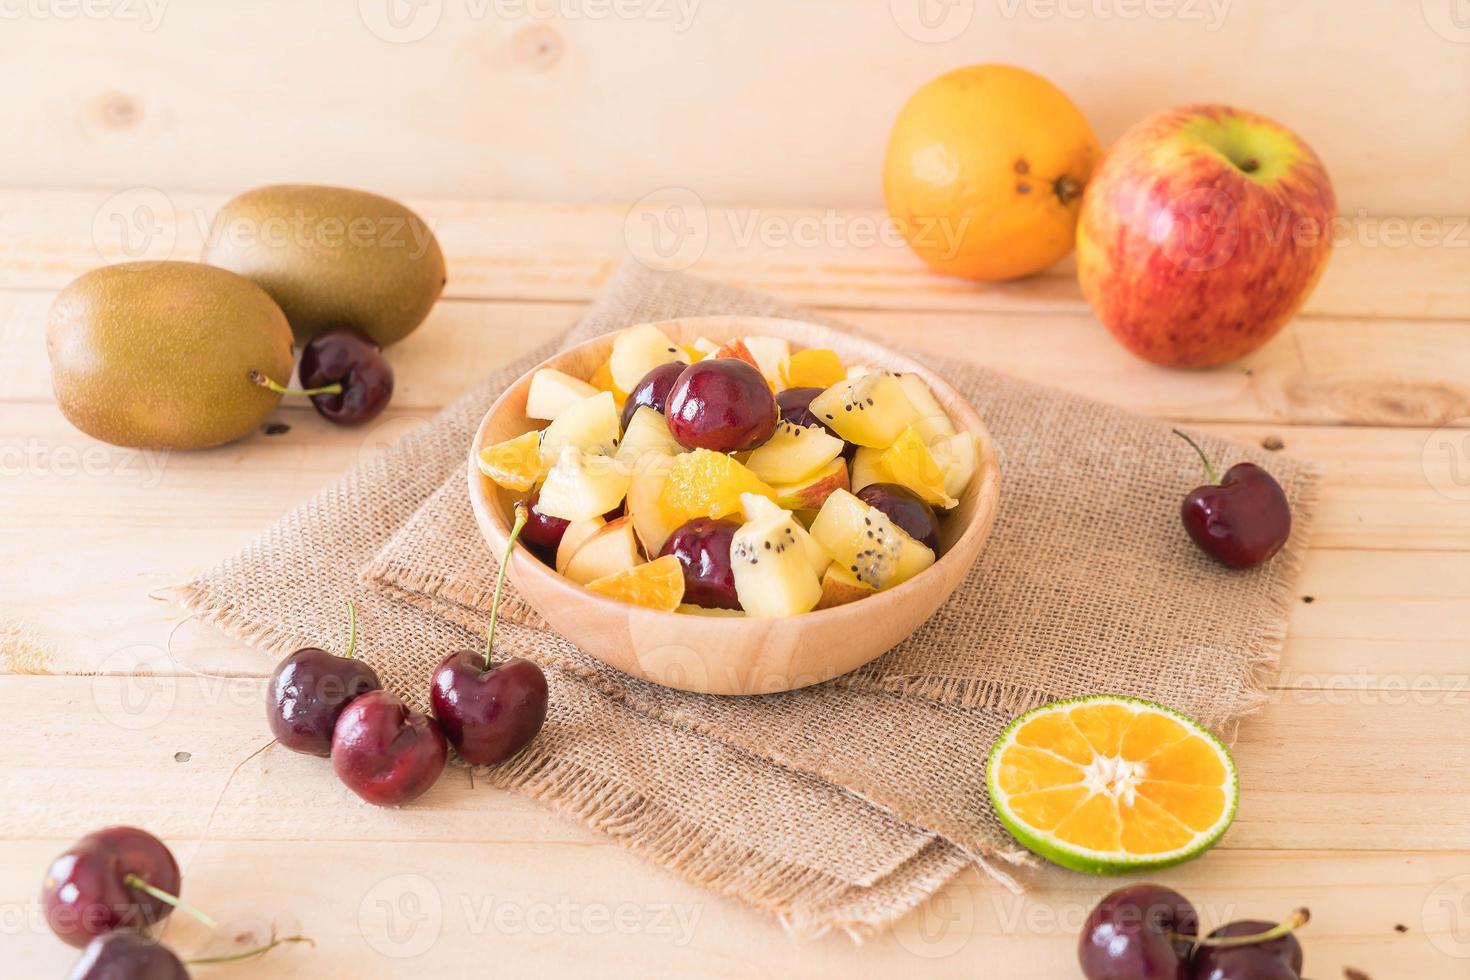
(134, 881)
(250, 953)
(351, 630)
(259, 378)
(1293, 922)
(1209, 468)
(522, 515)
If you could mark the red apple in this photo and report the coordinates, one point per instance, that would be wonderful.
(1202, 232)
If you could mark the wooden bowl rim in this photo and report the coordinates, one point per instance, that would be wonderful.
(986, 490)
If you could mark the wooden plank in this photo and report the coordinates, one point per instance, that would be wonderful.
(1322, 371)
(1357, 773)
(609, 101)
(511, 250)
(551, 909)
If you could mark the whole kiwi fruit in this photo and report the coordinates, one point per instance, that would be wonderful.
(158, 355)
(332, 257)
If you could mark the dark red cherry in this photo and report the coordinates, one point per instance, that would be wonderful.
(1138, 933)
(542, 533)
(653, 390)
(342, 355)
(126, 955)
(386, 752)
(722, 404)
(308, 692)
(109, 880)
(1241, 520)
(703, 548)
(488, 715)
(1276, 955)
(906, 509)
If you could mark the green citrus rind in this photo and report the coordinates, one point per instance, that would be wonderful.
(1086, 860)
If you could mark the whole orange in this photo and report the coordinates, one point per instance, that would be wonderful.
(985, 170)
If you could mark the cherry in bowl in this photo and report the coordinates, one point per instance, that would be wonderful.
(723, 404)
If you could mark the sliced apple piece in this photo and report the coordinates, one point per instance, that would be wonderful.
(868, 410)
(582, 486)
(736, 348)
(793, 453)
(865, 471)
(864, 541)
(553, 392)
(769, 353)
(650, 520)
(704, 345)
(910, 463)
(574, 537)
(933, 421)
(515, 464)
(611, 549)
(647, 432)
(773, 576)
(811, 493)
(756, 507)
(591, 425)
(638, 350)
(840, 586)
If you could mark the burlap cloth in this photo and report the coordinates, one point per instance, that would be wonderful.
(843, 805)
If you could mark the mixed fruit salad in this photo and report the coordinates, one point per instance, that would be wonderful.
(743, 478)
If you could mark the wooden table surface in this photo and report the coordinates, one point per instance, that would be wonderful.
(1355, 778)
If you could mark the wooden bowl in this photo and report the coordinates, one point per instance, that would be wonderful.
(738, 655)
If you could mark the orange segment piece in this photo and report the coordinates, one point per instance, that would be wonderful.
(1044, 809)
(704, 483)
(910, 463)
(1094, 825)
(1197, 807)
(1024, 770)
(814, 368)
(602, 380)
(1193, 761)
(1103, 725)
(1149, 733)
(1149, 830)
(657, 584)
(1056, 732)
(516, 463)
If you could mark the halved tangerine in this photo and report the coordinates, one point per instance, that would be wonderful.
(657, 584)
(515, 464)
(704, 483)
(1110, 784)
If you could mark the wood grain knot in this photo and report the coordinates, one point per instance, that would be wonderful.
(114, 110)
(539, 47)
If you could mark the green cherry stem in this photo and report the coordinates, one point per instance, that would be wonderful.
(133, 881)
(351, 630)
(1209, 468)
(522, 515)
(1293, 922)
(259, 378)
(250, 953)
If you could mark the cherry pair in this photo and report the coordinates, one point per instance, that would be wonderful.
(345, 373)
(382, 749)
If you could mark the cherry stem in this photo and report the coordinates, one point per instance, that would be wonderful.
(1209, 468)
(351, 630)
(522, 515)
(250, 953)
(258, 378)
(133, 881)
(1293, 922)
